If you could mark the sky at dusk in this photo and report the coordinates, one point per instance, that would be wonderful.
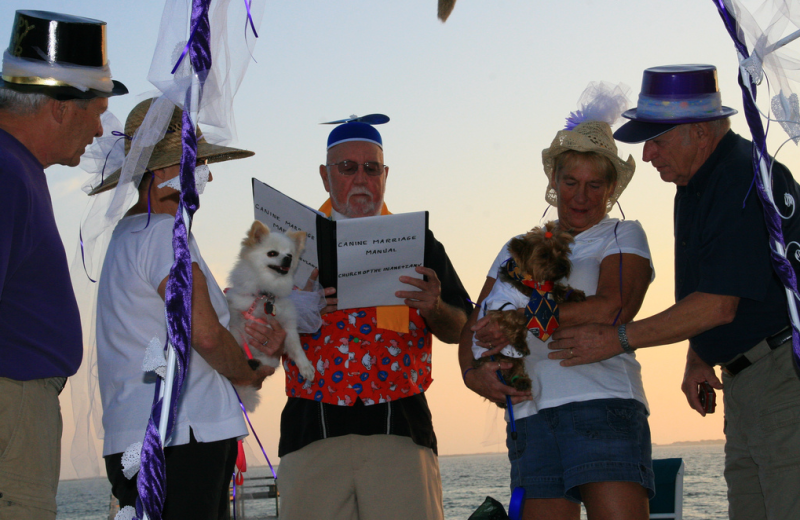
(472, 104)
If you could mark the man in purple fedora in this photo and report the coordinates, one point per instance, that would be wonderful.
(730, 304)
(55, 85)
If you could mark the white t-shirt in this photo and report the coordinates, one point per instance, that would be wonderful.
(554, 385)
(130, 313)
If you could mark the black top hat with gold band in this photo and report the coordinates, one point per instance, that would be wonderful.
(60, 55)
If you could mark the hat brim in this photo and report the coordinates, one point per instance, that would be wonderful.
(64, 93)
(205, 152)
(634, 132)
(624, 168)
(721, 114)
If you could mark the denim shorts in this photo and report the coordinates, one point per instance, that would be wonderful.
(559, 449)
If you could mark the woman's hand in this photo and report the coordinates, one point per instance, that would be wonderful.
(267, 338)
(331, 303)
(483, 381)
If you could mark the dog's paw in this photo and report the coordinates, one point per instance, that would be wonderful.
(306, 368)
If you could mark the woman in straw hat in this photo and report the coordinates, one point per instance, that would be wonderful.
(131, 330)
(581, 435)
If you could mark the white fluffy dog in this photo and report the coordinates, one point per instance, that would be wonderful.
(260, 284)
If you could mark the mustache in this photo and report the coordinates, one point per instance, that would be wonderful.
(358, 190)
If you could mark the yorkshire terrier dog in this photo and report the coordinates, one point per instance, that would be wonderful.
(537, 261)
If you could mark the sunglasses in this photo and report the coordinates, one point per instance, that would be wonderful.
(373, 169)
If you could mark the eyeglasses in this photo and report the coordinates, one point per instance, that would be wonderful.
(373, 169)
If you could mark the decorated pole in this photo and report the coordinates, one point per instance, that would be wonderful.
(762, 162)
(179, 287)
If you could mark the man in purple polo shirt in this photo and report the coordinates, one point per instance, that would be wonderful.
(55, 85)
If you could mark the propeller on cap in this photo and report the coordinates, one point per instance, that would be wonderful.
(370, 119)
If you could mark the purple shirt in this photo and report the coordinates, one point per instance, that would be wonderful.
(40, 327)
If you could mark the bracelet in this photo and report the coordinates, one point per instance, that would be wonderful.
(464, 375)
(623, 340)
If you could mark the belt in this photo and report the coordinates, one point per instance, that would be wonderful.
(764, 347)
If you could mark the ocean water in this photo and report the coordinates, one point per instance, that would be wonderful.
(466, 481)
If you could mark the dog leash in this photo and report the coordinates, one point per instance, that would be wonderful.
(247, 417)
(269, 308)
(518, 495)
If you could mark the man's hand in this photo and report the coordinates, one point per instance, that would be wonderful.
(428, 300)
(489, 335)
(268, 338)
(697, 372)
(484, 382)
(331, 303)
(585, 344)
(443, 319)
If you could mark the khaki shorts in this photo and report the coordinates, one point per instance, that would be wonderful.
(361, 477)
(30, 447)
(762, 449)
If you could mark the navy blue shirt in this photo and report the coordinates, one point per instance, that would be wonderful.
(40, 327)
(722, 247)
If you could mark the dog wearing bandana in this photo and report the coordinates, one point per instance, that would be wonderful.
(538, 260)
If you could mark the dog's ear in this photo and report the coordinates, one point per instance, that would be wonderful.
(299, 238)
(257, 233)
(521, 250)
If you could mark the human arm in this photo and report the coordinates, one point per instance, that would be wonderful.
(602, 307)
(444, 320)
(483, 380)
(213, 341)
(696, 373)
(693, 315)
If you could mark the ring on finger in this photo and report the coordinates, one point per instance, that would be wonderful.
(265, 342)
(571, 355)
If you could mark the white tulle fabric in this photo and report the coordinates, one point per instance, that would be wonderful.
(601, 101)
(308, 305)
(765, 24)
(232, 44)
(81, 77)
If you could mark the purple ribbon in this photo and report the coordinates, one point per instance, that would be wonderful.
(149, 209)
(250, 18)
(151, 483)
(83, 258)
(185, 49)
(255, 435)
(780, 263)
(120, 134)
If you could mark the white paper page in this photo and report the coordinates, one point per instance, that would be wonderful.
(282, 213)
(372, 254)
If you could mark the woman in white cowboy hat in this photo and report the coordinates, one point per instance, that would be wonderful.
(581, 435)
(131, 329)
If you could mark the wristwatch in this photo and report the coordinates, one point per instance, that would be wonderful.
(623, 339)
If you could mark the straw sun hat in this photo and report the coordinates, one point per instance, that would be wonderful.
(589, 136)
(168, 151)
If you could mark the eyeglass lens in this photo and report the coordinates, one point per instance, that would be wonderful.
(351, 167)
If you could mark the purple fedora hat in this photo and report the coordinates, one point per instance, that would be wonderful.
(673, 95)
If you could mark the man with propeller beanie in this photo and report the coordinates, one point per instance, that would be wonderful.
(359, 442)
